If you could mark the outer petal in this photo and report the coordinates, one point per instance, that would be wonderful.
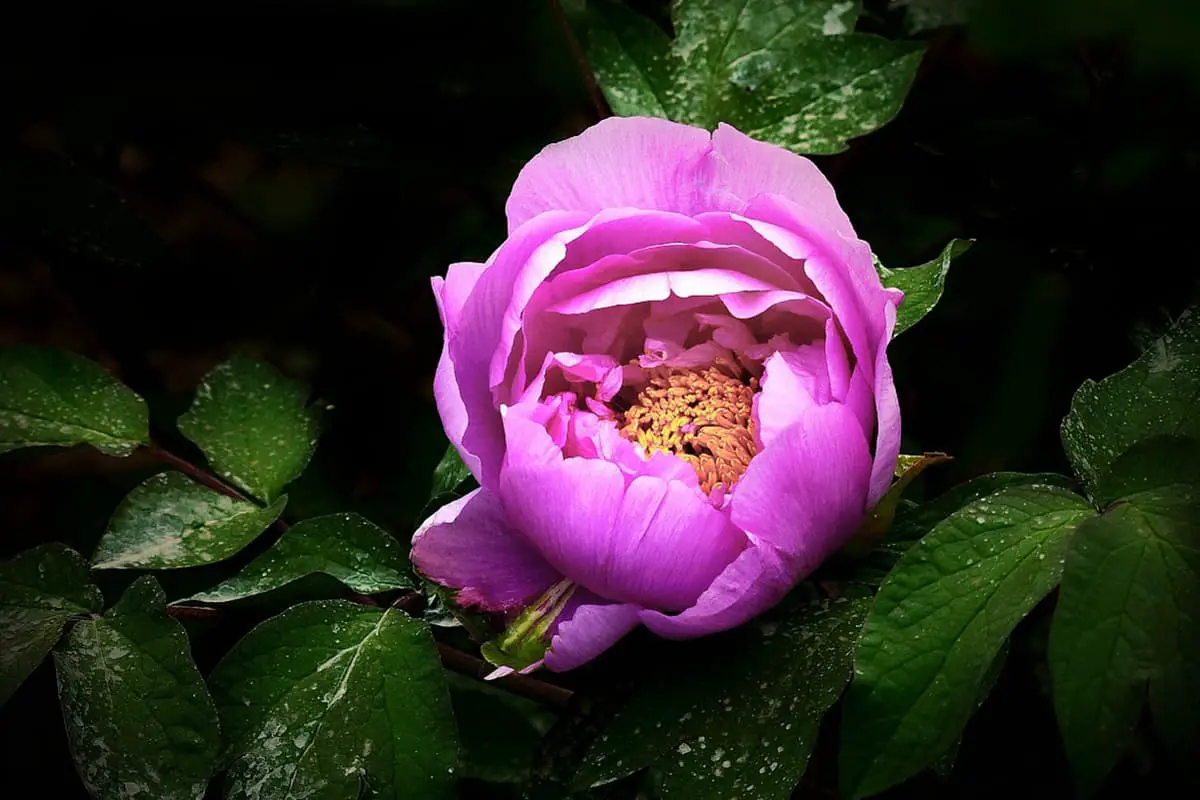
(451, 292)
(469, 545)
(887, 412)
(592, 629)
(759, 578)
(638, 162)
(807, 491)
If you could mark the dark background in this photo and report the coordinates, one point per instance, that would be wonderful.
(282, 179)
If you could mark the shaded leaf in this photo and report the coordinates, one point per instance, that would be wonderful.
(1155, 395)
(922, 285)
(139, 719)
(254, 425)
(500, 732)
(348, 547)
(939, 619)
(50, 397)
(1128, 616)
(40, 590)
(789, 73)
(740, 722)
(449, 474)
(331, 697)
(170, 521)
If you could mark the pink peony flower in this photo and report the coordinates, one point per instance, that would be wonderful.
(671, 383)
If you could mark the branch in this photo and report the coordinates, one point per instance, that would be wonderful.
(531, 688)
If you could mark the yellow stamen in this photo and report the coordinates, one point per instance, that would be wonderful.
(702, 416)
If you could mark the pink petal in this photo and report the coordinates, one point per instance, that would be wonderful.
(452, 291)
(592, 629)
(469, 545)
(756, 580)
(887, 410)
(634, 162)
(792, 384)
(653, 542)
(806, 491)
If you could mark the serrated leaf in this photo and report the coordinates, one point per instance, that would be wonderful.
(449, 474)
(939, 619)
(330, 699)
(1128, 616)
(40, 590)
(1155, 395)
(51, 397)
(139, 720)
(169, 521)
(922, 285)
(347, 547)
(254, 425)
(741, 722)
(790, 73)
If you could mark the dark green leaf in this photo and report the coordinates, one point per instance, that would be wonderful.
(741, 722)
(139, 720)
(1155, 395)
(40, 590)
(449, 474)
(789, 73)
(944, 764)
(50, 397)
(254, 425)
(170, 521)
(348, 547)
(330, 699)
(939, 619)
(500, 732)
(922, 285)
(1128, 616)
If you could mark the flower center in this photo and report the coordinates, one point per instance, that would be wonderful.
(703, 416)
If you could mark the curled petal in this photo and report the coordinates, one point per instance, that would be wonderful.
(589, 631)
(806, 492)
(887, 412)
(469, 545)
(792, 384)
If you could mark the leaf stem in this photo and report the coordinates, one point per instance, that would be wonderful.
(531, 688)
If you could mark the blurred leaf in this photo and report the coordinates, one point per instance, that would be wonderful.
(74, 210)
(938, 621)
(139, 719)
(741, 722)
(926, 15)
(789, 73)
(1128, 614)
(922, 285)
(1155, 395)
(355, 551)
(500, 732)
(254, 425)
(330, 699)
(169, 521)
(51, 397)
(40, 590)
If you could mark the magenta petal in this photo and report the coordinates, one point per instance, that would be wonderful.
(887, 411)
(591, 630)
(452, 291)
(469, 545)
(806, 492)
(631, 162)
(792, 383)
(656, 543)
(757, 580)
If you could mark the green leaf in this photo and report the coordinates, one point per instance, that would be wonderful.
(331, 700)
(944, 764)
(139, 720)
(500, 732)
(742, 721)
(449, 474)
(939, 619)
(789, 73)
(254, 426)
(51, 397)
(922, 285)
(1155, 395)
(347, 547)
(1128, 618)
(169, 521)
(40, 590)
